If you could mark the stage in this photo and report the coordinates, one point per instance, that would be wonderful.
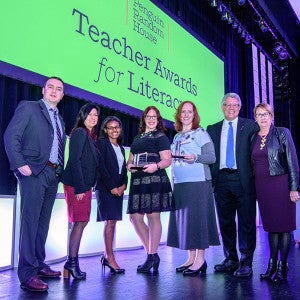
(167, 284)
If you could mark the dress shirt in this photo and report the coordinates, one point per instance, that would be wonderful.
(54, 149)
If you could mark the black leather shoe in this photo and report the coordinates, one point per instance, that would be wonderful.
(182, 268)
(105, 263)
(227, 266)
(72, 267)
(202, 270)
(243, 271)
(34, 284)
(152, 261)
(46, 271)
(272, 265)
(281, 272)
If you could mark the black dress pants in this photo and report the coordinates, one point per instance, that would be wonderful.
(232, 201)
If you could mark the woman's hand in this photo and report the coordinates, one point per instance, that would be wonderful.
(79, 196)
(294, 195)
(115, 191)
(129, 165)
(190, 158)
(150, 168)
(121, 189)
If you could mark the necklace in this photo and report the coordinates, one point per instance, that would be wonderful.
(262, 142)
(148, 134)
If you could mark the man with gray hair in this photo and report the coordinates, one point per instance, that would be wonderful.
(234, 186)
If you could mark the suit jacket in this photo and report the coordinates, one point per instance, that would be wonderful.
(108, 175)
(83, 162)
(29, 136)
(245, 129)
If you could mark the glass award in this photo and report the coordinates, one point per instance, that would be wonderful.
(177, 150)
(139, 161)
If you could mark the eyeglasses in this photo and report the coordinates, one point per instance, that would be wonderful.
(231, 105)
(113, 128)
(264, 115)
(151, 117)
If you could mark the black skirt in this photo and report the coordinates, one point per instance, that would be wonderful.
(150, 193)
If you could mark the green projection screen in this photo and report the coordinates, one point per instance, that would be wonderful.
(125, 54)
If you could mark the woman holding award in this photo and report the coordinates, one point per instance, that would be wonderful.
(193, 225)
(150, 189)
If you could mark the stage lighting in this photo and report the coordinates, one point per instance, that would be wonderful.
(247, 39)
(278, 48)
(241, 2)
(235, 24)
(283, 55)
(225, 15)
(240, 29)
(263, 26)
(213, 3)
(230, 19)
(220, 8)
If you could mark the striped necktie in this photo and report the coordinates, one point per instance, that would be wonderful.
(59, 140)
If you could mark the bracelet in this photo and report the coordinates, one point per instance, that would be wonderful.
(158, 167)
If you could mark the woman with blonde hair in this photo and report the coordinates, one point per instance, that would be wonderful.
(276, 174)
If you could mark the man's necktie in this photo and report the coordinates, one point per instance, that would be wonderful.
(230, 147)
(60, 141)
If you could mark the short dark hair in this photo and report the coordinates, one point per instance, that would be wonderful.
(54, 77)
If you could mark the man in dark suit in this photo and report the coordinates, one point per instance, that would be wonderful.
(234, 187)
(34, 142)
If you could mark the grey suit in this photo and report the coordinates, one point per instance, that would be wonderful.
(235, 193)
(28, 141)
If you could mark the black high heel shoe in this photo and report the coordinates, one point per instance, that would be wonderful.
(202, 270)
(72, 267)
(152, 261)
(182, 268)
(105, 263)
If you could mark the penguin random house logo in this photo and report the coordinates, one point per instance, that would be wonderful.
(147, 23)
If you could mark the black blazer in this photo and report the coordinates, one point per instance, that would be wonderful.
(83, 162)
(245, 129)
(108, 174)
(29, 136)
(282, 155)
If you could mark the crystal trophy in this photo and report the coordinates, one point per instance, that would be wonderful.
(177, 150)
(139, 161)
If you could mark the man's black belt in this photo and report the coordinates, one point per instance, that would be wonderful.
(228, 170)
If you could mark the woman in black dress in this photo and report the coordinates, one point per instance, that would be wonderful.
(111, 184)
(276, 173)
(150, 189)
